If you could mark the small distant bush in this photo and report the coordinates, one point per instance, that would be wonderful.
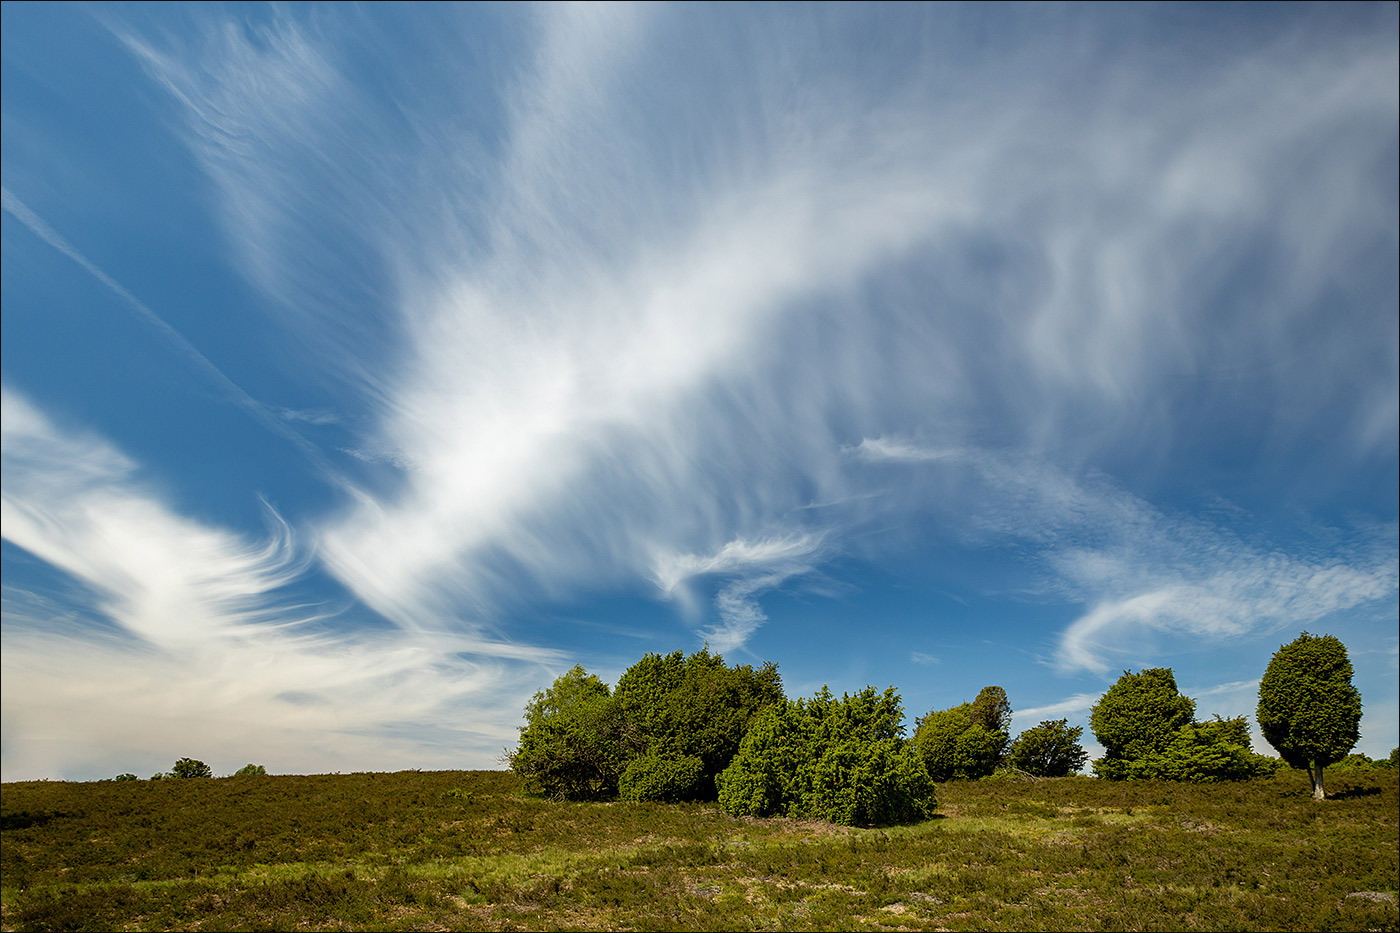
(190, 768)
(250, 770)
(1050, 749)
(126, 777)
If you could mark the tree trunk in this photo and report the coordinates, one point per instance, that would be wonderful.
(1315, 776)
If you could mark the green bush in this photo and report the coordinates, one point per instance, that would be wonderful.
(840, 760)
(1137, 718)
(251, 770)
(679, 707)
(967, 741)
(1050, 749)
(664, 779)
(1308, 709)
(572, 743)
(585, 742)
(190, 768)
(128, 776)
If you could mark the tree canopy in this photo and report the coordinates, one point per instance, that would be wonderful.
(966, 741)
(1050, 749)
(1308, 709)
(673, 723)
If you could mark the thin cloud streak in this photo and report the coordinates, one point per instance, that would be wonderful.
(169, 335)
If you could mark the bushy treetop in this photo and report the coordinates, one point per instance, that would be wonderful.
(1308, 709)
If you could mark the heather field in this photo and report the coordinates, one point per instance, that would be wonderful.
(467, 851)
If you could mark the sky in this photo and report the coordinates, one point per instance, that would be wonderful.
(366, 367)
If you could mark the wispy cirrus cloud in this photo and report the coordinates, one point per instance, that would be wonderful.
(1143, 572)
(191, 637)
(614, 333)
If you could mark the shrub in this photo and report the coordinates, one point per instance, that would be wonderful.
(839, 760)
(643, 740)
(190, 768)
(1137, 718)
(677, 707)
(571, 745)
(664, 779)
(1050, 749)
(128, 776)
(251, 770)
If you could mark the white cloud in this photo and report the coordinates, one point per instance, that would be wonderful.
(191, 637)
(622, 341)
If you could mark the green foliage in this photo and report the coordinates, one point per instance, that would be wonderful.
(839, 760)
(127, 776)
(1197, 752)
(1137, 718)
(1050, 749)
(251, 770)
(1308, 709)
(967, 741)
(992, 710)
(584, 742)
(661, 778)
(190, 768)
(572, 743)
(678, 707)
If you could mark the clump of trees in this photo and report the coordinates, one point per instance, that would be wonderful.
(1147, 729)
(680, 727)
(671, 726)
(967, 741)
(841, 760)
(1308, 709)
(183, 769)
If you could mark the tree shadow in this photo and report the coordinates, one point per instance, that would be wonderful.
(1351, 792)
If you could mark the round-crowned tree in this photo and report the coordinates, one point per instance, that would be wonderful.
(1308, 709)
(191, 768)
(1137, 718)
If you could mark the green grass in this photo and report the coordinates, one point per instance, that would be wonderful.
(466, 851)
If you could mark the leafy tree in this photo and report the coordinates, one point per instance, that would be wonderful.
(840, 760)
(190, 768)
(677, 708)
(992, 710)
(572, 744)
(1308, 709)
(128, 776)
(1050, 749)
(966, 741)
(250, 770)
(1136, 718)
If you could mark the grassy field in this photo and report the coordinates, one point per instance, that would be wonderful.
(466, 851)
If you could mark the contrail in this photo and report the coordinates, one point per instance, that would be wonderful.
(21, 212)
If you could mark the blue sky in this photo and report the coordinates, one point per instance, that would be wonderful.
(366, 367)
